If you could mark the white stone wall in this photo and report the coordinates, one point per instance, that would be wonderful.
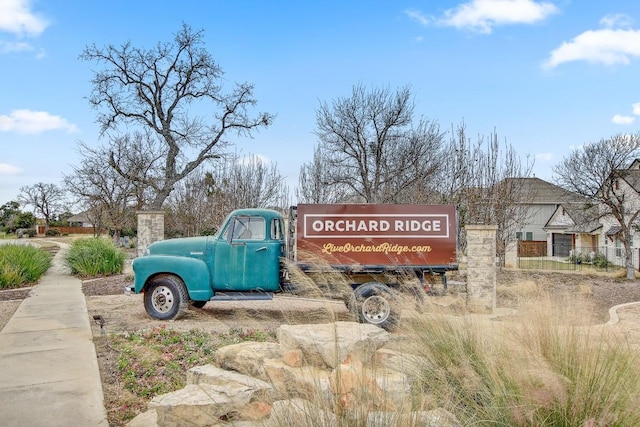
(481, 268)
(150, 229)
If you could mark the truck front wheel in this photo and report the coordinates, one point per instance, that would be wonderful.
(375, 303)
(166, 297)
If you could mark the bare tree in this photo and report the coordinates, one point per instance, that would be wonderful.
(46, 199)
(483, 180)
(371, 145)
(201, 202)
(598, 172)
(105, 194)
(162, 90)
(253, 183)
(313, 183)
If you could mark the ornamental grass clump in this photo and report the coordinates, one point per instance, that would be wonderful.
(22, 264)
(95, 257)
(530, 370)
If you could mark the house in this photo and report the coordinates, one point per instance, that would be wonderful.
(81, 220)
(540, 199)
(573, 228)
(580, 229)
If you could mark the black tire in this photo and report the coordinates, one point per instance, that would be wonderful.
(197, 304)
(166, 297)
(375, 303)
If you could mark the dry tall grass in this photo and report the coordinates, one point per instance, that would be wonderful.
(539, 368)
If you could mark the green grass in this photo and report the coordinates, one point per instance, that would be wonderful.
(94, 257)
(21, 265)
(540, 264)
(153, 362)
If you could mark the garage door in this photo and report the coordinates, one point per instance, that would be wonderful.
(562, 244)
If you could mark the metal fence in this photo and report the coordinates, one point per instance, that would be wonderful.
(604, 258)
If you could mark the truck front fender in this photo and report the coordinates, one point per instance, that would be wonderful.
(193, 272)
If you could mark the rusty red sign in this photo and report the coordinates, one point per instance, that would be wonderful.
(377, 234)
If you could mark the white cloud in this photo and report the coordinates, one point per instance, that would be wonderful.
(27, 121)
(606, 46)
(418, 16)
(6, 169)
(14, 46)
(617, 20)
(616, 43)
(17, 18)
(636, 108)
(483, 15)
(622, 120)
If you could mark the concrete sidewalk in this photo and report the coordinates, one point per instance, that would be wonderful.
(49, 372)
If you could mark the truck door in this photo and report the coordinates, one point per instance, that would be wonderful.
(246, 257)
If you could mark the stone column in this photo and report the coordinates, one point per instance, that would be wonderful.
(150, 229)
(481, 268)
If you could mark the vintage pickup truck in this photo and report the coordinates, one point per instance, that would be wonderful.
(247, 258)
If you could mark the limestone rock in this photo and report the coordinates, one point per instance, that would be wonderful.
(328, 344)
(308, 382)
(251, 389)
(248, 357)
(146, 419)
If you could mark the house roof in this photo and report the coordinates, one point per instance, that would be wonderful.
(585, 220)
(537, 191)
(80, 217)
(613, 230)
(632, 177)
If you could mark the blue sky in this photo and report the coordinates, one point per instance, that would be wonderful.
(548, 76)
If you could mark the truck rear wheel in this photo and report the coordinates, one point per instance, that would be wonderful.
(166, 297)
(375, 303)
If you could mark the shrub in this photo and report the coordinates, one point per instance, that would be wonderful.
(22, 264)
(94, 257)
(52, 232)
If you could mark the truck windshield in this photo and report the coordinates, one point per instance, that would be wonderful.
(247, 228)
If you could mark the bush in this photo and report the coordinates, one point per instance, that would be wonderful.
(52, 232)
(22, 264)
(94, 257)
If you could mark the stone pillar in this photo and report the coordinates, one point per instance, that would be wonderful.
(511, 254)
(150, 229)
(481, 268)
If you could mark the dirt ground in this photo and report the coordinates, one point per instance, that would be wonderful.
(125, 313)
(120, 313)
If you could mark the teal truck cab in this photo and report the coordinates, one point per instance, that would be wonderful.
(246, 258)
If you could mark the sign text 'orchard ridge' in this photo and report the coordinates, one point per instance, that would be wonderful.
(380, 225)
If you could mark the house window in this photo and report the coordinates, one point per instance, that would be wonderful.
(618, 247)
(528, 235)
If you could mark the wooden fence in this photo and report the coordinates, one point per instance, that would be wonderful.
(68, 230)
(532, 248)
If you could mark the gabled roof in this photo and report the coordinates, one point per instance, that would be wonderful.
(632, 177)
(583, 219)
(537, 191)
